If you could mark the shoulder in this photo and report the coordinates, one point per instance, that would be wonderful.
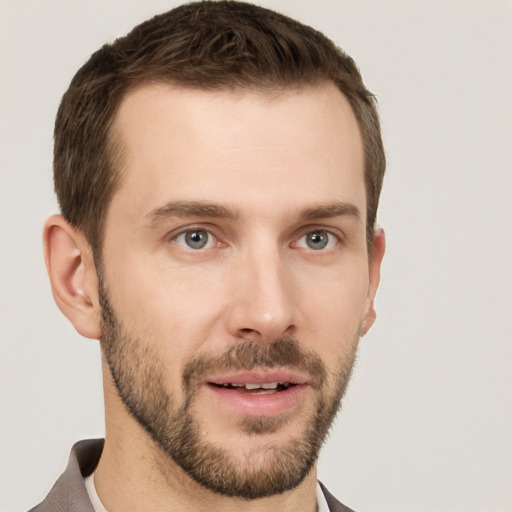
(69, 493)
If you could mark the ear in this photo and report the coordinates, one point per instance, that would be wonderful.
(72, 273)
(376, 255)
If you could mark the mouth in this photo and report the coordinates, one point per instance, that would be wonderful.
(258, 393)
(263, 388)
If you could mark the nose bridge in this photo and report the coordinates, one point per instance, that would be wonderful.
(264, 305)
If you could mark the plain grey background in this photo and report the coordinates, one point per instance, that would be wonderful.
(427, 423)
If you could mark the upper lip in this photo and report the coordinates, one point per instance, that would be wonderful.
(260, 377)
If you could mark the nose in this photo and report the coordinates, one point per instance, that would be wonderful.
(262, 306)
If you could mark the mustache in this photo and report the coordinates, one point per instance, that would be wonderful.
(284, 352)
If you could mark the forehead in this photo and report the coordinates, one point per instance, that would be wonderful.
(296, 145)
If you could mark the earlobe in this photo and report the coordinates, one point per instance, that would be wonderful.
(72, 275)
(376, 255)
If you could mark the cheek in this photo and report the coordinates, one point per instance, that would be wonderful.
(173, 307)
(334, 309)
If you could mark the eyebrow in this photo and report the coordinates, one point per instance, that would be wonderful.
(338, 209)
(183, 209)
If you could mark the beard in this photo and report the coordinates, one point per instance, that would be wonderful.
(265, 470)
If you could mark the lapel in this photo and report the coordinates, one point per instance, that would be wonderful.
(334, 504)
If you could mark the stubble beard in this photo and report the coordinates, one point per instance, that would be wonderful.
(269, 469)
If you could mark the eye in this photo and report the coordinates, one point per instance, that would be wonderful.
(317, 240)
(195, 239)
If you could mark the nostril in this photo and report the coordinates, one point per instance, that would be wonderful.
(249, 334)
(248, 331)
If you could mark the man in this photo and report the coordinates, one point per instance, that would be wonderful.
(218, 171)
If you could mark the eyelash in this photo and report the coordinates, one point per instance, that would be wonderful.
(333, 240)
(192, 230)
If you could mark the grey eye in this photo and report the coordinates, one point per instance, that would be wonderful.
(317, 240)
(195, 239)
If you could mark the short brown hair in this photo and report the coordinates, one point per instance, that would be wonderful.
(208, 45)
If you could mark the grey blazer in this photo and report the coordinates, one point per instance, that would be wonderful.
(70, 495)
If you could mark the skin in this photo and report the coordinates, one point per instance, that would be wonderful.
(266, 160)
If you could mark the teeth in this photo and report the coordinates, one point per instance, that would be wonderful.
(266, 385)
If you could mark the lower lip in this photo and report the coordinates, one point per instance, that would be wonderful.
(259, 405)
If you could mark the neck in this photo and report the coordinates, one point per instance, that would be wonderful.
(135, 474)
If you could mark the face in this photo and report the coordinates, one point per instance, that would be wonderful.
(235, 278)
